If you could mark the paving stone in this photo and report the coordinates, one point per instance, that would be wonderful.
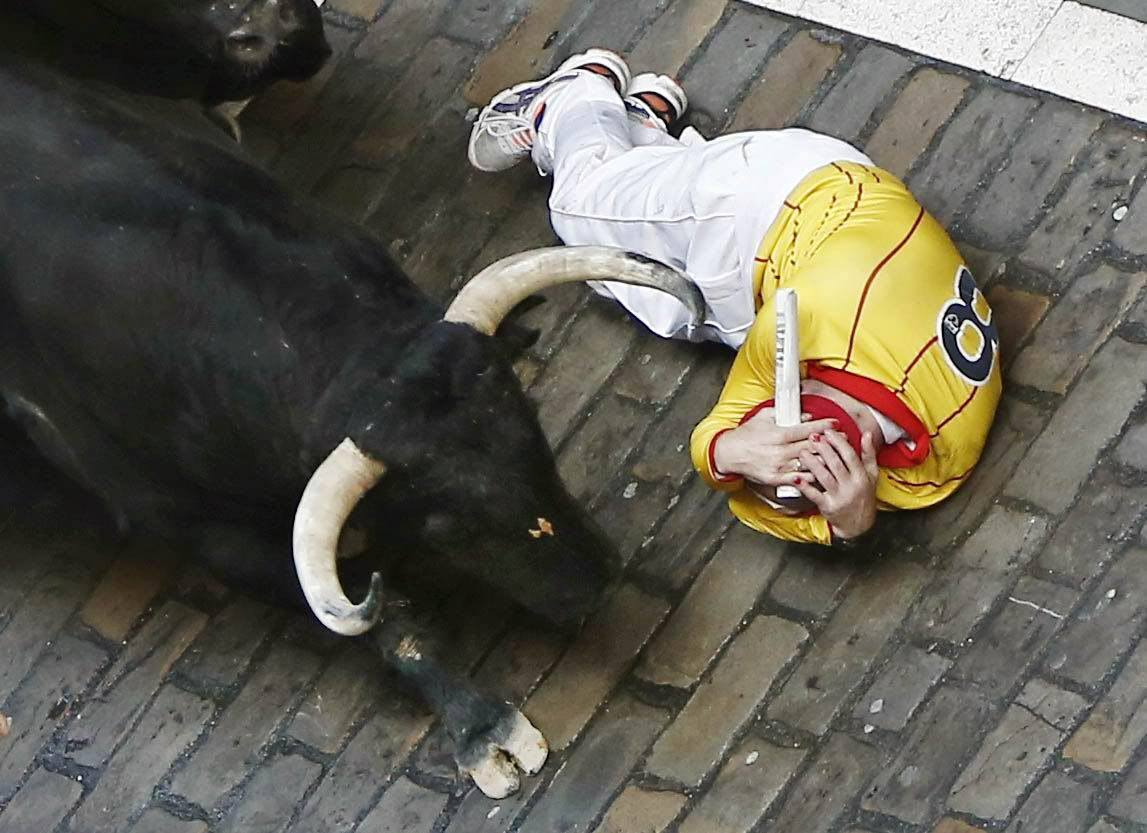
(1131, 800)
(811, 578)
(1016, 426)
(1106, 741)
(696, 519)
(1129, 234)
(130, 683)
(853, 99)
(405, 808)
(598, 341)
(790, 79)
(23, 565)
(843, 651)
(1058, 805)
(484, 23)
(955, 826)
(606, 647)
(245, 726)
(220, 656)
(827, 787)
(433, 76)
(368, 763)
(743, 791)
(520, 54)
(600, 764)
(613, 427)
(974, 577)
(641, 811)
(723, 703)
(1108, 513)
(54, 597)
(614, 25)
(970, 150)
(168, 727)
(42, 703)
(920, 775)
(1013, 202)
(1016, 313)
(41, 803)
(673, 37)
(1081, 219)
(1012, 756)
(1104, 627)
(1132, 449)
(157, 821)
(125, 592)
(1078, 326)
(362, 9)
(519, 661)
(919, 112)
(479, 814)
(1059, 462)
(900, 688)
(271, 795)
(1016, 636)
(342, 694)
(1102, 827)
(653, 374)
(729, 62)
(724, 593)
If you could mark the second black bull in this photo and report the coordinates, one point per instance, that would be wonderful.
(222, 366)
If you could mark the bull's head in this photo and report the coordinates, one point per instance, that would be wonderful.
(473, 480)
(237, 46)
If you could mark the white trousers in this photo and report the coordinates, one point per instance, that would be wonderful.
(700, 206)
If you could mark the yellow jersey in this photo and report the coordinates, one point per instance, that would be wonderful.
(890, 314)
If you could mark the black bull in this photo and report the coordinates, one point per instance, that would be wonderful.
(211, 360)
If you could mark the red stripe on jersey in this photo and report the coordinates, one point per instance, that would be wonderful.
(718, 475)
(872, 277)
(956, 412)
(912, 364)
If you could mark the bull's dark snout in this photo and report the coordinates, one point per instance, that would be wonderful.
(266, 25)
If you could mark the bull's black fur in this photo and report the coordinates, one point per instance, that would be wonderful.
(176, 48)
(188, 343)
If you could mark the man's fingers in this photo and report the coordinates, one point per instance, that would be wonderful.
(832, 459)
(868, 456)
(819, 498)
(816, 467)
(847, 453)
(795, 433)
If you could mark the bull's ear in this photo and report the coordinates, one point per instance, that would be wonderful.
(515, 336)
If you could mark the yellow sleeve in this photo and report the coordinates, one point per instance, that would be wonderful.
(758, 515)
(750, 383)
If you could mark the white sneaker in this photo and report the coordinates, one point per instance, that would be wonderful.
(506, 128)
(663, 86)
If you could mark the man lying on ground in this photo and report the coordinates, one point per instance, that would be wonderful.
(900, 355)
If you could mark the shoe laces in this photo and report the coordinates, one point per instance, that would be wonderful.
(507, 125)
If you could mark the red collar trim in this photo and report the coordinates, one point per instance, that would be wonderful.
(898, 455)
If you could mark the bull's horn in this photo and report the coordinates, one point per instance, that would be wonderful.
(331, 495)
(501, 286)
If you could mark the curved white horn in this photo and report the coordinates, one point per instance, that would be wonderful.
(331, 495)
(497, 289)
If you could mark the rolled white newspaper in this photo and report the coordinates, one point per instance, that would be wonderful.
(788, 370)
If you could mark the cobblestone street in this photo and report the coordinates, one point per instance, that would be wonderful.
(984, 672)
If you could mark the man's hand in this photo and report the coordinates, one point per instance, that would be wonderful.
(762, 451)
(848, 501)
